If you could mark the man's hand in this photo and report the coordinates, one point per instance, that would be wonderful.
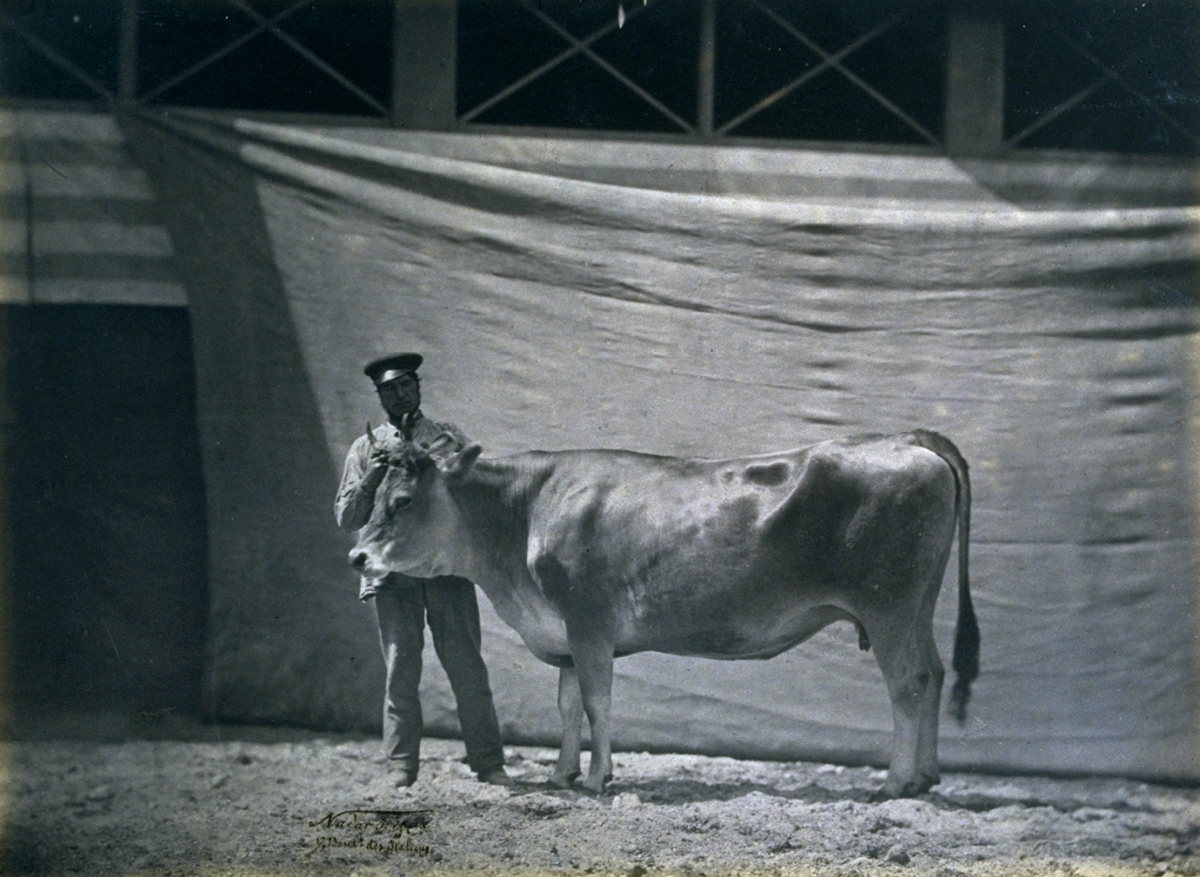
(377, 466)
(379, 456)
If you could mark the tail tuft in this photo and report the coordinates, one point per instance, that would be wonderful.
(966, 660)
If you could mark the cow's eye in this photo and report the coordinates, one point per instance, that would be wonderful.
(405, 467)
(396, 503)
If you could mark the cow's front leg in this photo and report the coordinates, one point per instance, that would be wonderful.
(570, 706)
(594, 667)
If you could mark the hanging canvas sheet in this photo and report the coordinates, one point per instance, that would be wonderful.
(708, 301)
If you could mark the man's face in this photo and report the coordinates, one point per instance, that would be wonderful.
(401, 396)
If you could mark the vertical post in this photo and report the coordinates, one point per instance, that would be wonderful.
(974, 118)
(424, 57)
(127, 51)
(706, 68)
(30, 273)
(8, 422)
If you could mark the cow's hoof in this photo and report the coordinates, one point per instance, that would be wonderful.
(596, 787)
(564, 781)
(911, 789)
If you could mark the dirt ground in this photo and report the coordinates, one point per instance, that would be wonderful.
(237, 801)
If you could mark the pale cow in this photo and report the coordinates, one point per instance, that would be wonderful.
(591, 555)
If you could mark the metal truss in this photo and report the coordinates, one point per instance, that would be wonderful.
(626, 14)
(832, 62)
(56, 57)
(706, 70)
(580, 47)
(1107, 74)
(128, 90)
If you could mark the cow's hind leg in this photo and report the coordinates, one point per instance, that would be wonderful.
(908, 657)
(570, 706)
(927, 742)
(927, 730)
(900, 594)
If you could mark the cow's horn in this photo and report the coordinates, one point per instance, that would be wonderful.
(441, 442)
(370, 435)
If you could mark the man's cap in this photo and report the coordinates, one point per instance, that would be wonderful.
(395, 365)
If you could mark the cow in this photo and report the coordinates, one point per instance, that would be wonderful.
(594, 554)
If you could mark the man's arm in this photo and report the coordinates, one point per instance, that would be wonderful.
(361, 477)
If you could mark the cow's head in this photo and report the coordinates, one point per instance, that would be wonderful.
(413, 528)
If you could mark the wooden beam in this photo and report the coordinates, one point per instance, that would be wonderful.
(127, 51)
(706, 68)
(424, 56)
(974, 117)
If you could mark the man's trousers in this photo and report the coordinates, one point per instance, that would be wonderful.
(402, 606)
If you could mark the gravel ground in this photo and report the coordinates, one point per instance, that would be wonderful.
(296, 803)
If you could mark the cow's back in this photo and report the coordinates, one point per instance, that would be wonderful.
(733, 557)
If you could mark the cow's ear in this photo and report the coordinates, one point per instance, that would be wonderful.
(460, 464)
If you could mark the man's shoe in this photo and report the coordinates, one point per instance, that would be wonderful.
(496, 777)
(400, 777)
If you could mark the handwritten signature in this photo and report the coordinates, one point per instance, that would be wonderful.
(383, 831)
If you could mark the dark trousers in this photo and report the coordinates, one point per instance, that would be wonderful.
(401, 607)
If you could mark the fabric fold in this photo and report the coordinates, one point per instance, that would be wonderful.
(760, 300)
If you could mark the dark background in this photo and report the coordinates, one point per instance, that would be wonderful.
(107, 500)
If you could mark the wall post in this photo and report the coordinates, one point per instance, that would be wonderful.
(127, 51)
(706, 68)
(974, 118)
(424, 57)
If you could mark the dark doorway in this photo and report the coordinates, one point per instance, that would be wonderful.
(106, 510)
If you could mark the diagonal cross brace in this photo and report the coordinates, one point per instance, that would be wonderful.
(221, 53)
(576, 47)
(57, 57)
(1110, 74)
(310, 56)
(268, 25)
(831, 61)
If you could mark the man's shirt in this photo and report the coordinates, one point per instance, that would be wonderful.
(354, 504)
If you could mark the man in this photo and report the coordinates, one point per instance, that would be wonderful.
(402, 603)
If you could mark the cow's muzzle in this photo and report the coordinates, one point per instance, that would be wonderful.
(358, 559)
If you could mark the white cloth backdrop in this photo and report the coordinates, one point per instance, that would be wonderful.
(708, 301)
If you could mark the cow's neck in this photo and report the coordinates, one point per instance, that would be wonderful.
(494, 501)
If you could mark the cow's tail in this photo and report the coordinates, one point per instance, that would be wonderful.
(966, 635)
